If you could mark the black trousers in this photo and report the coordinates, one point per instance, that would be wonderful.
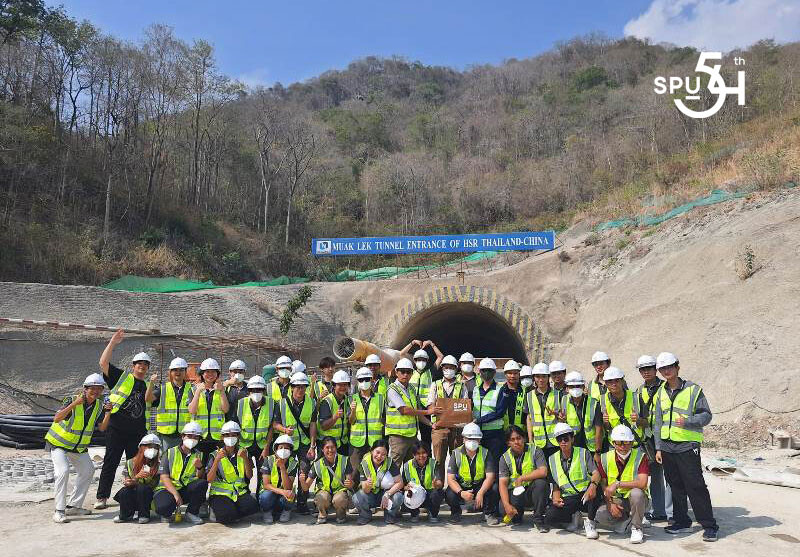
(227, 511)
(433, 502)
(193, 495)
(425, 435)
(117, 442)
(134, 498)
(535, 495)
(572, 504)
(206, 447)
(494, 441)
(490, 499)
(684, 475)
(254, 454)
(303, 465)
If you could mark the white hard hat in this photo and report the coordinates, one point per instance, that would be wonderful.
(645, 361)
(283, 361)
(209, 363)
(414, 497)
(541, 369)
(364, 373)
(562, 428)
(467, 357)
(231, 427)
(613, 373)
(178, 363)
(150, 439)
(340, 376)
(256, 382)
(94, 380)
(283, 439)
(511, 365)
(420, 355)
(622, 433)
(450, 361)
(526, 371)
(372, 359)
(237, 364)
(298, 366)
(574, 379)
(387, 481)
(299, 379)
(666, 359)
(600, 357)
(141, 357)
(487, 363)
(472, 431)
(192, 428)
(556, 365)
(404, 363)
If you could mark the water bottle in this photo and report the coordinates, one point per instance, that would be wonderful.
(178, 516)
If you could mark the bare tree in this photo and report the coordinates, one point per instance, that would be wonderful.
(301, 146)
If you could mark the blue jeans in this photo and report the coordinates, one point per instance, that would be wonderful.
(660, 492)
(365, 501)
(272, 502)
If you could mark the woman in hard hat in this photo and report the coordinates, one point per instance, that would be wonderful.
(229, 476)
(523, 473)
(235, 386)
(171, 401)
(278, 473)
(445, 439)
(67, 440)
(423, 472)
(381, 485)
(625, 472)
(278, 388)
(334, 478)
(333, 413)
(470, 477)
(183, 477)
(139, 478)
(526, 378)
(254, 415)
(209, 406)
(367, 416)
(466, 368)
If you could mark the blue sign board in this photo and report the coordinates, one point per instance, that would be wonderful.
(463, 243)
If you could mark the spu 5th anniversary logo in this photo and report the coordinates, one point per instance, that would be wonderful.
(690, 86)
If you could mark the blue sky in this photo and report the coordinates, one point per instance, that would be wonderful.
(261, 42)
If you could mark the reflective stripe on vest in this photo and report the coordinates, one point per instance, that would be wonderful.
(274, 473)
(574, 420)
(464, 471)
(231, 481)
(275, 391)
(371, 472)
(543, 421)
(254, 430)
(332, 483)
(339, 429)
(484, 405)
(299, 437)
(171, 416)
(122, 390)
(411, 474)
(421, 381)
(145, 481)
(631, 405)
(648, 402)
(75, 432)
(629, 473)
(397, 423)
(519, 405)
(368, 426)
(683, 405)
(381, 386)
(181, 474)
(319, 390)
(458, 392)
(578, 474)
(596, 390)
(211, 421)
(527, 465)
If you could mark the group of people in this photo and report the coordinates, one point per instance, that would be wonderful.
(543, 440)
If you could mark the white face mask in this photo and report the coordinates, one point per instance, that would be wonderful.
(624, 455)
(256, 397)
(145, 468)
(527, 382)
(239, 377)
(420, 364)
(283, 454)
(364, 385)
(230, 441)
(284, 373)
(466, 368)
(190, 443)
(449, 373)
(576, 392)
(471, 445)
(150, 453)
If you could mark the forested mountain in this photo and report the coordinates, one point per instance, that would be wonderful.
(146, 159)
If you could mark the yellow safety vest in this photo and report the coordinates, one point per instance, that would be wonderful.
(397, 423)
(122, 390)
(577, 479)
(274, 474)
(631, 404)
(483, 405)
(421, 381)
(368, 426)
(519, 405)
(254, 430)
(372, 473)
(683, 403)
(210, 420)
(181, 467)
(299, 437)
(574, 420)
(329, 480)
(527, 465)
(543, 422)
(410, 472)
(628, 474)
(458, 392)
(152, 482)
(339, 429)
(75, 432)
(171, 416)
(231, 481)
(466, 478)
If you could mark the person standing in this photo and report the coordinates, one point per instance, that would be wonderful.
(619, 405)
(171, 401)
(209, 406)
(367, 417)
(128, 421)
(376, 489)
(229, 472)
(422, 378)
(600, 362)
(558, 372)
(466, 376)
(471, 474)
(380, 380)
(526, 379)
(235, 386)
(403, 413)
(182, 475)
(67, 440)
(139, 478)
(515, 408)
(333, 413)
(445, 439)
(581, 412)
(523, 465)
(254, 415)
(681, 412)
(278, 388)
(322, 382)
(489, 404)
(542, 408)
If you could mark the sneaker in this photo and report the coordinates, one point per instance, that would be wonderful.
(414, 518)
(144, 519)
(622, 526)
(77, 511)
(101, 504)
(353, 511)
(192, 518)
(322, 519)
(118, 519)
(491, 520)
(655, 518)
(362, 521)
(589, 529)
(637, 536)
(541, 527)
(455, 518)
(646, 523)
(341, 519)
(286, 516)
(268, 518)
(205, 512)
(575, 525)
(433, 519)
(59, 517)
(709, 535)
(678, 528)
(304, 510)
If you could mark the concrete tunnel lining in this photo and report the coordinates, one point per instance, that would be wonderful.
(458, 327)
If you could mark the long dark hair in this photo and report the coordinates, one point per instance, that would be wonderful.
(138, 462)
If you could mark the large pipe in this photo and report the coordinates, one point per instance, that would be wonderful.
(349, 349)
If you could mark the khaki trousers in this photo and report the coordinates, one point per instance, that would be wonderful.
(340, 502)
(400, 448)
(444, 441)
(634, 506)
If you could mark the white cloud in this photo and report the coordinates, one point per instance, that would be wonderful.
(255, 78)
(718, 25)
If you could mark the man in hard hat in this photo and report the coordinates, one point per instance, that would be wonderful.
(209, 406)
(404, 411)
(235, 386)
(445, 439)
(471, 474)
(625, 471)
(660, 492)
(619, 405)
(296, 416)
(542, 407)
(183, 477)
(681, 412)
(254, 415)
(380, 380)
(466, 368)
(558, 373)
(515, 408)
(600, 362)
(489, 405)
(422, 378)
(523, 466)
(322, 382)
(581, 413)
(171, 401)
(229, 473)
(67, 440)
(128, 417)
(278, 388)
(366, 417)
(333, 411)
(576, 483)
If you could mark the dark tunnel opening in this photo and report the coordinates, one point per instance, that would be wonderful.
(464, 327)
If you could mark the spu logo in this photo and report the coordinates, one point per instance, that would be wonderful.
(691, 86)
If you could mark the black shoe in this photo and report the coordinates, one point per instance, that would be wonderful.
(709, 535)
(302, 510)
(655, 518)
(542, 528)
(455, 518)
(678, 528)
